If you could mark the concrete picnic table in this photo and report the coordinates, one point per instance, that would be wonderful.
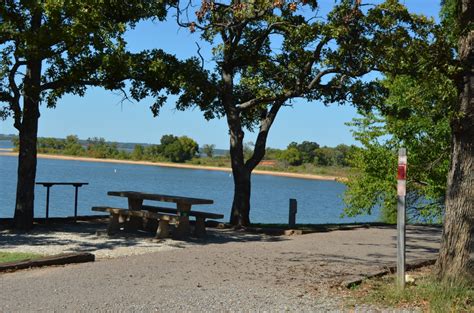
(183, 205)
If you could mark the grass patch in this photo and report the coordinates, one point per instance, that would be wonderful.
(6, 257)
(426, 294)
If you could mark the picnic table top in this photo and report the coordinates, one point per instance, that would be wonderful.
(51, 183)
(159, 197)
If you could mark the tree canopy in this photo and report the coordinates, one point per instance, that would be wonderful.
(81, 44)
(50, 48)
(178, 149)
(416, 116)
(269, 53)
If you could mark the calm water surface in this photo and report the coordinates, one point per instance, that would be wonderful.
(318, 201)
(6, 144)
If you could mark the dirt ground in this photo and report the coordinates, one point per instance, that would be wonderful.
(229, 271)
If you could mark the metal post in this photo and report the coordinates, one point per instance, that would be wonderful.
(401, 216)
(292, 213)
(47, 202)
(75, 202)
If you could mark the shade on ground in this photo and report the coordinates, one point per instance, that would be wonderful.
(228, 272)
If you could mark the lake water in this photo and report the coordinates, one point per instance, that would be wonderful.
(4, 144)
(318, 201)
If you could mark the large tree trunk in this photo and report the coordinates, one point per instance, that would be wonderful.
(241, 204)
(454, 257)
(240, 214)
(242, 171)
(28, 128)
(25, 191)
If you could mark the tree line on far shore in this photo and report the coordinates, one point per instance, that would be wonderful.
(171, 148)
(182, 149)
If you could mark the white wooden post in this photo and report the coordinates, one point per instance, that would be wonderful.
(401, 216)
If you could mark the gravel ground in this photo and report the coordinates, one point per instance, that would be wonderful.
(227, 272)
(81, 237)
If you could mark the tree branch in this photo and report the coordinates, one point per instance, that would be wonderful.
(193, 24)
(200, 55)
(11, 77)
(256, 101)
(237, 37)
(292, 93)
(257, 45)
(15, 100)
(261, 143)
(319, 76)
(316, 55)
(63, 83)
(231, 24)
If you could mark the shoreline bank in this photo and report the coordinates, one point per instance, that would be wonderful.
(9, 152)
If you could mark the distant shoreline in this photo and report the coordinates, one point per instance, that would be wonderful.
(9, 152)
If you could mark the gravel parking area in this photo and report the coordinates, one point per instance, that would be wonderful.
(227, 272)
(81, 237)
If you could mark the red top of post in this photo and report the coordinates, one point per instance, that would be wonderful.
(402, 165)
(402, 172)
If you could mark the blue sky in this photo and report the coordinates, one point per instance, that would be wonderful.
(100, 114)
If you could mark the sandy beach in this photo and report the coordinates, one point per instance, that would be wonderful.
(9, 152)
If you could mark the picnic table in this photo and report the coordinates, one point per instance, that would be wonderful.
(180, 215)
(48, 186)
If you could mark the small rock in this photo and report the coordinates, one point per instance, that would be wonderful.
(409, 279)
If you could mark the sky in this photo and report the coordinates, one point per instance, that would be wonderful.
(100, 113)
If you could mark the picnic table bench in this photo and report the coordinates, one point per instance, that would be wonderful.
(137, 213)
(117, 214)
(200, 224)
